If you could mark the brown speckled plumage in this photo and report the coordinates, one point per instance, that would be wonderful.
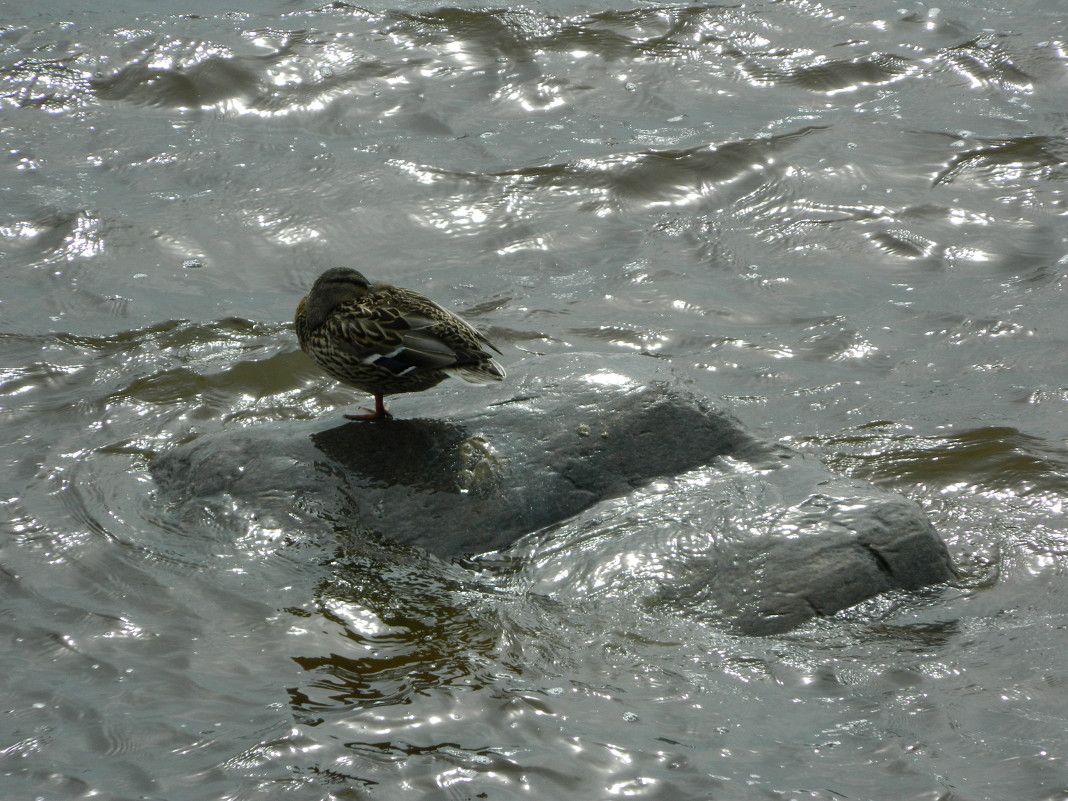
(386, 340)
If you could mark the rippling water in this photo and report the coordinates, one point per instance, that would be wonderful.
(843, 221)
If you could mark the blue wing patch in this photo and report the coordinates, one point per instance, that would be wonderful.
(390, 362)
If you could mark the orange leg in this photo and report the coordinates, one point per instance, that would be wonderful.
(379, 413)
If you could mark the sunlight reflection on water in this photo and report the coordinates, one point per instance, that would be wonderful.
(844, 224)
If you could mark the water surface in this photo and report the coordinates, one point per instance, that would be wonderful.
(845, 222)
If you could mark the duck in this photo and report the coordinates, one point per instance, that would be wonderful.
(386, 340)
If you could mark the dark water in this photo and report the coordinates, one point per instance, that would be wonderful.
(844, 221)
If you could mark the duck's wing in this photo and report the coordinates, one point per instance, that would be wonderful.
(458, 326)
(449, 327)
(393, 340)
(473, 362)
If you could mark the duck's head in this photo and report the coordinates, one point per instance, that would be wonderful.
(336, 286)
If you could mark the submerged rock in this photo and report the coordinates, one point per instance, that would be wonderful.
(596, 483)
(761, 551)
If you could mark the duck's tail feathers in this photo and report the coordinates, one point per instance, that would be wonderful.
(485, 371)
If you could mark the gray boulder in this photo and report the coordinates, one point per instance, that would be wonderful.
(761, 551)
(596, 483)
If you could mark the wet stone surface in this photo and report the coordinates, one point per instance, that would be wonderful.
(621, 457)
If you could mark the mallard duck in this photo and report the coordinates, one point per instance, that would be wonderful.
(385, 340)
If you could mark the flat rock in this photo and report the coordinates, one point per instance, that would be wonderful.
(600, 481)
